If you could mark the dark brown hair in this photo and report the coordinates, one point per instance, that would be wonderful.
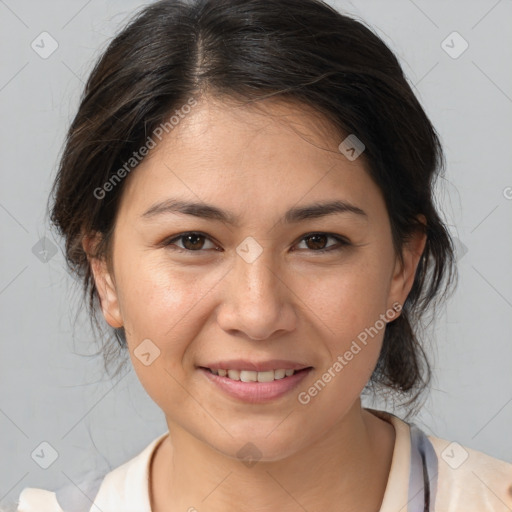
(300, 50)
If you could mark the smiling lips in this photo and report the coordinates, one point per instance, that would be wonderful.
(252, 386)
(249, 371)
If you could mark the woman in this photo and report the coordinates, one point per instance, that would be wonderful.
(247, 192)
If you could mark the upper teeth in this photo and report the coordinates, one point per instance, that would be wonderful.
(251, 376)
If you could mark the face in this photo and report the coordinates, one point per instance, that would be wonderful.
(292, 259)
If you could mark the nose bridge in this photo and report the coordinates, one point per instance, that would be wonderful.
(256, 277)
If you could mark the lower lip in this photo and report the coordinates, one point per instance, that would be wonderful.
(256, 392)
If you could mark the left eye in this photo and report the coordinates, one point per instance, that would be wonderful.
(318, 242)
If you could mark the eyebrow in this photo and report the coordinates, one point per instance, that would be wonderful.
(293, 215)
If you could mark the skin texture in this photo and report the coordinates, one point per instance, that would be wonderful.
(292, 302)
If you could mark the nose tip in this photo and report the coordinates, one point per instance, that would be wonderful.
(256, 302)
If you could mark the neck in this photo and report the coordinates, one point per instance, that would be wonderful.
(332, 473)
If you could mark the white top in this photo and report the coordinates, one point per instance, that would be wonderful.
(461, 479)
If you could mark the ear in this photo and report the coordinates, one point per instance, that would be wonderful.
(104, 281)
(405, 270)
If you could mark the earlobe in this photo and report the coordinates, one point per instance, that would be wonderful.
(105, 287)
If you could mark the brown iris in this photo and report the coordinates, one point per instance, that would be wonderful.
(193, 242)
(318, 241)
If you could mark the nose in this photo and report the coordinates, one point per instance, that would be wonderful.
(257, 301)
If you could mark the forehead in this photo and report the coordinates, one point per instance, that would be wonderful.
(259, 155)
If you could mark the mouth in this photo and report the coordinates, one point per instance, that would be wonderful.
(255, 387)
(254, 376)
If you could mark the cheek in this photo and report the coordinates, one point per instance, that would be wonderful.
(160, 313)
(348, 307)
(159, 302)
(350, 304)
(349, 299)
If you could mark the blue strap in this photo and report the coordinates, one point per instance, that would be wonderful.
(423, 474)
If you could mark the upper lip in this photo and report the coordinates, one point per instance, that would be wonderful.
(261, 366)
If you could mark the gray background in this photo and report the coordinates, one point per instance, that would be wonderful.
(51, 393)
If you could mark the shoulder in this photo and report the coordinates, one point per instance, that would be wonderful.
(76, 496)
(471, 480)
(38, 500)
(125, 486)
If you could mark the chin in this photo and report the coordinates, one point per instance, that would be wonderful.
(259, 444)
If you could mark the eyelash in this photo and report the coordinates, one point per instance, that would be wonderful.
(342, 242)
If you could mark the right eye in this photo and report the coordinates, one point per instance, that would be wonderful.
(190, 242)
